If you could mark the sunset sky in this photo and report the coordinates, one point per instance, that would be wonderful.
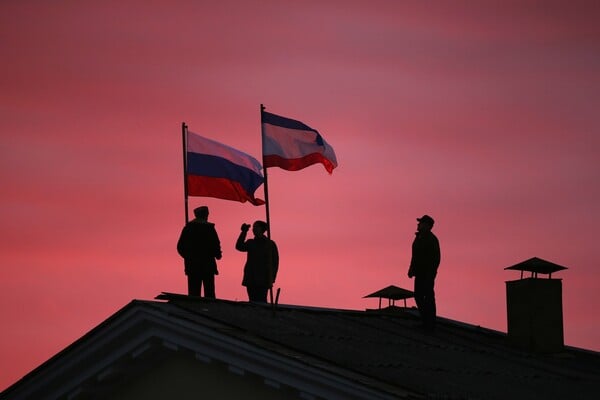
(483, 114)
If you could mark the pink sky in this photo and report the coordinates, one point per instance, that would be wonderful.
(484, 116)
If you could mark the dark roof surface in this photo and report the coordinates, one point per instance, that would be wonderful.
(384, 351)
(456, 361)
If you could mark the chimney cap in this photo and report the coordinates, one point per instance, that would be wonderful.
(392, 292)
(537, 265)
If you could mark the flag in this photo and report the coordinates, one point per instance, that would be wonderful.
(217, 170)
(292, 145)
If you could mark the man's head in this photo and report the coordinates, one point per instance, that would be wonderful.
(425, 223)
(201, 212)
(259, 228)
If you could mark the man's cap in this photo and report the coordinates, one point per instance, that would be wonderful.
(426, 219)
(201, 210)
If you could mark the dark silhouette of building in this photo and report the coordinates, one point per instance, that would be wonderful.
(189, 347)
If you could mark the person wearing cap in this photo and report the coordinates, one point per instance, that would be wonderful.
(200, 247)
(424, 264)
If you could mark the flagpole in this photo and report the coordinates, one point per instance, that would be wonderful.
(185, 188)
(262, 135)
(266, 183)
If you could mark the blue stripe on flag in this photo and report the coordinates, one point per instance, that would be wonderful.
(218, 167)
(273, 119)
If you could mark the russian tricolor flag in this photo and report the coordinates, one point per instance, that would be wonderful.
(217, 170)
(292, 145)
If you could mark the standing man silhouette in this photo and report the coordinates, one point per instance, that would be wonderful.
(199, 246)
(424, 264)
(262, 261)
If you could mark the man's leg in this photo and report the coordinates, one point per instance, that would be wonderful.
(419, 299)
(261, 294)
(429, 302)
(209, 285)
(250, 291)
(194, 284)
(425, 299)
(257, 294)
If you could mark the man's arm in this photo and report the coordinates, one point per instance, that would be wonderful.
(437, 255)
(218, 253)
(275, 257)
(240, 244)
(182, 245)
(411, 268)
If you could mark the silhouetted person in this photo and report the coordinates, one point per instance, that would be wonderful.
(262, 261)
(424, 264)
(199, 246)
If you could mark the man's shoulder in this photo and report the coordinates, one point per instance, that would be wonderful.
(432, 237)
(200, 223)
(200, 226)
(262, 241)
(426, 237)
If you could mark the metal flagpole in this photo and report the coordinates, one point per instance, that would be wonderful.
(185, 188)
(262, 108)
(266, 183)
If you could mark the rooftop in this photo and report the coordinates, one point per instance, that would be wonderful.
(371, 354)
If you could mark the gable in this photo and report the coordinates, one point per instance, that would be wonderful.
(182, 376)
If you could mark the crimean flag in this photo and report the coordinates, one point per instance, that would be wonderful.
(292, 145)
(217, 170)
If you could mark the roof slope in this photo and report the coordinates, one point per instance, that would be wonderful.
(322, 353)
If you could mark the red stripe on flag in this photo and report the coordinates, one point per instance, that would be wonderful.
(295, 164)
(219, 188)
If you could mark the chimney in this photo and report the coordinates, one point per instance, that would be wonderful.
(534, 307)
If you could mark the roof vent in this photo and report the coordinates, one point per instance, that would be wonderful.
(392, 293)
(534, 307)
